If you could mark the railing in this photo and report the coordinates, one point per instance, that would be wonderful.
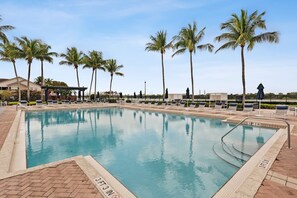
(262, 118)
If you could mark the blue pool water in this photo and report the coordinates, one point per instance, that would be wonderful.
(152, 154)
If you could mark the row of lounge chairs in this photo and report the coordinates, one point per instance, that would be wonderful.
(280, 110)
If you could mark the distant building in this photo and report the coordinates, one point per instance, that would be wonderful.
(12, 84)
(175, 96)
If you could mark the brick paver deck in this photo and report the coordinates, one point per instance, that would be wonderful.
(62, 180)
(285, 166)
(6, 120)
(272, 189)
(68, 180)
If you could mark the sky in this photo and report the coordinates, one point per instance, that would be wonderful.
(120, 30)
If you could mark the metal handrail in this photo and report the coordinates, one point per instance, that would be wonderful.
(263, 118)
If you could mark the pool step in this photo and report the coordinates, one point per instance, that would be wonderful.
(222, 154)
(248, 149)
(228, 148)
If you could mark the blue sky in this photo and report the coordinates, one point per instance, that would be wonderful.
(120, 29)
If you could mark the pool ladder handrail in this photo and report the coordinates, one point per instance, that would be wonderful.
(262, 118)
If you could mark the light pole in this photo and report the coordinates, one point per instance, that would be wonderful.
(145, 90)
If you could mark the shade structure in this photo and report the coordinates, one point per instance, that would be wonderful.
(140, 94)
(134, 95)
(166, 93)
(260, 94)
(188, 93)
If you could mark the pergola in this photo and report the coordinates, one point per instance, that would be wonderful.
(79, 89)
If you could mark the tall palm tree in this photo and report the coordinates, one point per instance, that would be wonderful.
(9, 52)
(29, 49)
(45, 55)
(73, 57)
(188, 39)
(112, 67)
(94, 60)
(159, 44)
(4, 28)
(241, 32)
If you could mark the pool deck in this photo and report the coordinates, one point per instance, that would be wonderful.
(81, 177)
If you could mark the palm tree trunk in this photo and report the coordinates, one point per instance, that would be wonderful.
(95, 83)
(17, 77)
(243, 74)
(28, 82)
(42, 79)
(91, 83)
(163, 76)
(76, 68)
(192, 77)
(110, 85)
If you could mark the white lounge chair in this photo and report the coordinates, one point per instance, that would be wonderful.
(218, 106)
(39, 103)
(23, 104)
(232, 107)
(248, 108)
(281, 110)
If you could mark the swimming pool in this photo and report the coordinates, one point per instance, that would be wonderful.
(152, 154)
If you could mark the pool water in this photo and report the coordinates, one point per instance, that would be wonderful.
(152, 154)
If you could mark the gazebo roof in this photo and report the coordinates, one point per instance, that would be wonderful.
(64, 88)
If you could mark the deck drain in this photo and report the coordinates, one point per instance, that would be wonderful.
(264, 163)
(106, 188)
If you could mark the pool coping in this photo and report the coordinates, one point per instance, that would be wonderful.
(226, 189)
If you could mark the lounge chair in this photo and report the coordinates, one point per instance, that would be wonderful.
(248, 107)
(23, 104)
(191, 106)
(281, 110)
(232, 107)
(218, 106)
(39, 103)
(201, 106)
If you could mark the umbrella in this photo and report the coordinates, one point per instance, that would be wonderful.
(140, 94)
(121, 95)
(134, 95)
(260, 94)
(166, 93)
(97, 95)
(187, 93)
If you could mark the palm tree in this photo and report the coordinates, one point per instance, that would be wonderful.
(241, 32)
(94, 61)
(9, 52)
(112, 67)
(73, 57)
(29, 49)
(188, 39)
(45, 55)
(159, 44)
(4, 28)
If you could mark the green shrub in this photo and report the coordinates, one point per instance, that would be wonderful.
(13, 103)
(128, 101)
(112, 100)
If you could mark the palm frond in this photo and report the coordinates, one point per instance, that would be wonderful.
(179, 51)
(209, 47)
(231, 44)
